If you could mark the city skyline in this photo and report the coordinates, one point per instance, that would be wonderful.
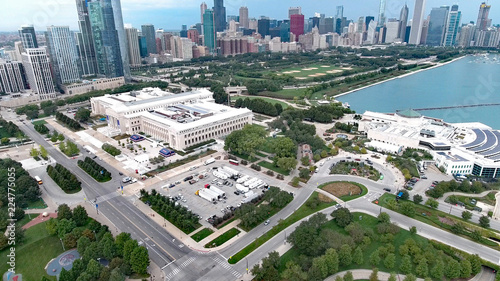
(171, 16)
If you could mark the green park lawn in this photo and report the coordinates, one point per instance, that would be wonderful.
(305, 73)
(34, 253)
(223, 238)
(270, 166)
(311, 206)
(202, 234)
(270, 100)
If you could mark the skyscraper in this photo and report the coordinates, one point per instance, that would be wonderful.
(417, 22)
(340, 12)
(106, 42)
(219, 15)
(12, 77)
(148, 31)
(37, 67)
(244, 17)
(28, 36)
(454, 17)
(294, 11)
(297, 25)
(143, 47)
(482, 18)
(85, 41)
(381, 13)
(263, 25)
(437, 26)
(134, 52)
(203, 8)
(209, 30)
(368, 19)
(122, 38)
(403, 21)
(63, 54)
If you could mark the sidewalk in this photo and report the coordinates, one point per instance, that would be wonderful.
(338, 200)
(39, 219)
(218, 232)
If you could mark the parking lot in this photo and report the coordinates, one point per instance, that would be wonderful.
(185, 192)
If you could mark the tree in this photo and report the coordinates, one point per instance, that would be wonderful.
(293, 272)
(304, 173)
(60, 137)
(484, 221)
(374, 275)
(80, 216)
(452, 269)
(357, 257)
(64, 212)
(287, 163)
(332, 260)
(405, 195)
(466, 268)
(413, 230)
(304, 160)
(342, 216)
(466, 215)
(43, 152)
(128, 248)
(406, 265)
(34, 152)
(93, 269)
(64, 226)
(5, 140)
(120, 242)
(66, 275)
(417, 198)
(410, 277)
(408, 209)
(82, 244)
(82, 114)
(432, 203)
(345, 256)
(284, 147)
(139, 260)
(348, 276)
(384, 217)
(117, 275)
(375, 258)
(392, 277)
(390, 261)
(422, 269)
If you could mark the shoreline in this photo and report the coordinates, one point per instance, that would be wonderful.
(398, 77)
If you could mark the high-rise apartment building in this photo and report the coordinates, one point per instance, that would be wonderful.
(263, 26)
(209, 30)
(28, 36)
(482, 18)
(203, 8)
(297, 25)
(417, 22)
(63, 54)
(243, 17)
(106, 42)
(85, 41)
(340, 12)
(37, 67)
(392, 30)
(403, 22)
(134, 52)
(122, 37)
(148, 31)
(294, 11)
(452, 27)
(381, 13)
(368, 19)
(437, 26)
(193, 35)
(12, 77)
(143, 47)
(219, 15)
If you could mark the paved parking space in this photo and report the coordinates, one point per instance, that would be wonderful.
(201, 206)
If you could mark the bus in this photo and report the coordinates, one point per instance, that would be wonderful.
(38, 179)
(234, 162)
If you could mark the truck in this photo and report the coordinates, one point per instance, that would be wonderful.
(250, 181)
(206, 195)
(217, 190)
(241, 188)
(248, 194)
(209, 161)
(243, 179)
(232, 172)
(220, 175)
(126, 179)
(249, 199)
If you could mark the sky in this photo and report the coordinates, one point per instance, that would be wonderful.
(171, 14)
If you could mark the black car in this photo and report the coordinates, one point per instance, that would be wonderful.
(387, 189)
(188, 178)
(120, 173)
(237, 193)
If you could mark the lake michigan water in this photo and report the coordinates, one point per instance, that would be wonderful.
(470, 80)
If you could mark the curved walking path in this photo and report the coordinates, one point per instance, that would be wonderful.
(482, 194)
(365, 274)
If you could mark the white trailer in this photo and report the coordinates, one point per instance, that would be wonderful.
(256, 184)
(209, 161)
(230, 171)
(243, 179)
(249, 182)
(250, 198)
(248, 194)
(206, 195)
(220, 175)
(215, 194)
(241, 188)
(217, 190)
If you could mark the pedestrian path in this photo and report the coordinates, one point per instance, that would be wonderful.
(365, 274)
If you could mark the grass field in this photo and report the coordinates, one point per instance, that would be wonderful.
(223, 238)
(314, 69)
(33, 255)
(344, 190)
(305, 210)
(286, 94)
(271, 166)
(202, 234)
(39, 122)
(270, 100)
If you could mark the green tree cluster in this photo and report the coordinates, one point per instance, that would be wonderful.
(66, 180)
(98, 172)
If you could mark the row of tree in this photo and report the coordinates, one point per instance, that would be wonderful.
(69, 148)
(94, 242)
(260, 106)
(465, 186)
(111, 149)
(71, 123)
(41, 128)
(66, 180)
(98, 172)
(178, 215)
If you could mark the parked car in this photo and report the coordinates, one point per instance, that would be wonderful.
(387, 189)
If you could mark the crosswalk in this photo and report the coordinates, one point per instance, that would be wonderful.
(226, 266)
(107, 197)
(179, 268)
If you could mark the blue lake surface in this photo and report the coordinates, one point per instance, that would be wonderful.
(471, 80)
